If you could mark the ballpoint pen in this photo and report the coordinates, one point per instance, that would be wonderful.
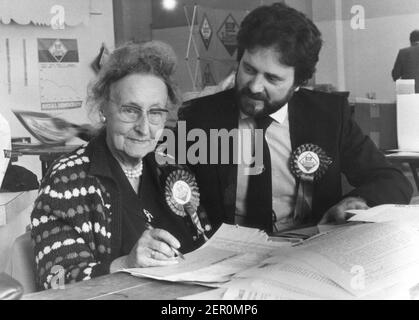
(176, 251)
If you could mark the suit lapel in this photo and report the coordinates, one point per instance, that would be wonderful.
(228, 118)
(301, 121)
(304, 127)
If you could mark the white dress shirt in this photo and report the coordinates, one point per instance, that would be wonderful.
(283, 182)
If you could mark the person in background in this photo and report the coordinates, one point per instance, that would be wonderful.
(407, 61)
(102, 207)
(309, 140)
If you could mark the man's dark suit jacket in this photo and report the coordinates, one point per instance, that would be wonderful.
(314, 117)
(407, 65)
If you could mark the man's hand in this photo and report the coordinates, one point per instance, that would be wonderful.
(337, 214)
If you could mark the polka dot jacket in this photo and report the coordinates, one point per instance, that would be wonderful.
(76, 220)
(71, 222)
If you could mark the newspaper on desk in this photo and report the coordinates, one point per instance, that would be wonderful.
(230, 250)
(362, 261)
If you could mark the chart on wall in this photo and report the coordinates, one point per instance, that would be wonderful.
(59, 74)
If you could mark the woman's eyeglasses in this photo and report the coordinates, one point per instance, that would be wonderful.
(129, 113)
(155, 116)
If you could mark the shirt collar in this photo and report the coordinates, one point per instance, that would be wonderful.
(281, 114)
(243, 116)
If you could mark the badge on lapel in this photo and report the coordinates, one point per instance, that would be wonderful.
(181, 189)
(308, 163)
(182, 196)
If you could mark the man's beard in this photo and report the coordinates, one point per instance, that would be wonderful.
(257, 104)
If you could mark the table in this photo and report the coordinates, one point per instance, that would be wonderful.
(411, 158)
(123, 286)
(378, 120)
(47, 154)
(118, 286)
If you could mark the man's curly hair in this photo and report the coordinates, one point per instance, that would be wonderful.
(295, 37)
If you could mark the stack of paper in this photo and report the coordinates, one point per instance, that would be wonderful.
(363, 261)
(407, 115)
(230, 250)
(388, 212)
(405, 86)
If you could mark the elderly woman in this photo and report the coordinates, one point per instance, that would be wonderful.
(102, 207)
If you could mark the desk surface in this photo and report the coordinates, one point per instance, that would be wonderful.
(403, 156)
(123, 286)
(411, 158)
(118, 286)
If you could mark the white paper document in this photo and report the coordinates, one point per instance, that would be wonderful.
(363, 261)
(230, 250)
(214, 294)
(366, 258)
(286, 278)
(407, 127)
(358, 261)
(388, 212)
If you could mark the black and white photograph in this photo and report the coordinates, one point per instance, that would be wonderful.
(212, 156)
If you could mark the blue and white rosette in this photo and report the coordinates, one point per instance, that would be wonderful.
(308, 163)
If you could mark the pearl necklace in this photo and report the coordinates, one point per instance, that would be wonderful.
(134, 173)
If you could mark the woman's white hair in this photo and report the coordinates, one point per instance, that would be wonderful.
(153, 57)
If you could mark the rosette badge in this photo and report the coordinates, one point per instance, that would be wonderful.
(182, 196)
(181, 189)
(309, 162)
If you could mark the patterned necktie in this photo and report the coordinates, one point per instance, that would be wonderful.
(259, 192)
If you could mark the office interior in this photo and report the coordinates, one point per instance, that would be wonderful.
(361, 42)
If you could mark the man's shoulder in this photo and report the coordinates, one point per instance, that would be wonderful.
(206, 106)
(313, 98)
(408, 50)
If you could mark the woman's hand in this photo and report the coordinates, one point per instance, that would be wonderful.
(153, 249)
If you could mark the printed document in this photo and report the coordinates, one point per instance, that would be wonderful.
(230, 250)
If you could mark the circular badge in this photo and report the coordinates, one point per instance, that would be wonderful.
(181, 192)
(309, 162)
(181, 189)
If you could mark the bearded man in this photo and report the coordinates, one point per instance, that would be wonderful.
(309, 138)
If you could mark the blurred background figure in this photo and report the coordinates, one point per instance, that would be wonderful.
(407, 61)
